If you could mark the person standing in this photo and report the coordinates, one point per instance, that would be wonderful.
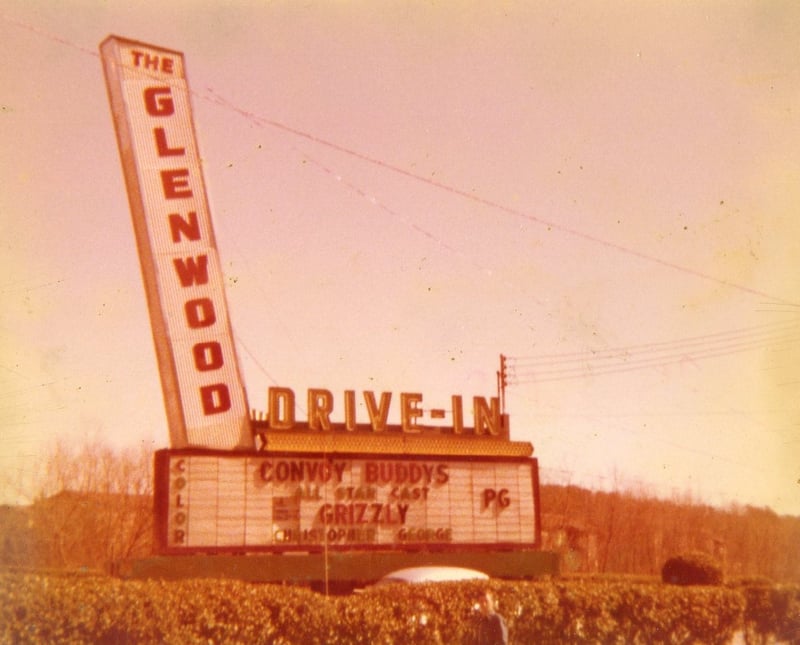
(492, 628)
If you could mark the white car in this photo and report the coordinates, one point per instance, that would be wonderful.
(431, 574)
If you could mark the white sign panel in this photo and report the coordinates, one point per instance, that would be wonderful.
(295, 501)
(149, 95)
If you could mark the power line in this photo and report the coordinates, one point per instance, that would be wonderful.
(571, 366)
(691, 341)
(261, 121)
(761, 332)
(589, 371)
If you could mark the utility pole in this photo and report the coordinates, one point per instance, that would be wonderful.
(502, 381)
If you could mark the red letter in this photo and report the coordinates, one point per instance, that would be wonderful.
(200, 313)
(179, 226)
(176, 183)
(163, 147)
(215, 398)
(208, 356)
(191, 272)
(156, 106)
(151, 61)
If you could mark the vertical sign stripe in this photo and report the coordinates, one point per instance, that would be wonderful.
(203, 393)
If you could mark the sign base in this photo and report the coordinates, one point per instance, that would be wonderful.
(345, 571)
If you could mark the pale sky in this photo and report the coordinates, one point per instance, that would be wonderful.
(606, 193)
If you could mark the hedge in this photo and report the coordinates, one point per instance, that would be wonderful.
(62, 609)
(772, 613)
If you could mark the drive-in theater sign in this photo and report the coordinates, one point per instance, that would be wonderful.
(273, 483)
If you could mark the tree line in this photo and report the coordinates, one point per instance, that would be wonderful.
(93, 506)
(90, 507)
(635, 534)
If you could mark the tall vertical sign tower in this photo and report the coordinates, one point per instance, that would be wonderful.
(431, 489)
(203, 392)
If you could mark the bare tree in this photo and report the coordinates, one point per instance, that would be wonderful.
(93, 506)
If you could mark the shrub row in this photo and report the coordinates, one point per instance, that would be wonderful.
(771, 612)
(37, 609)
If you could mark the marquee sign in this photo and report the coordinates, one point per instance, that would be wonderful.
(203, 392)
(226, 502)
